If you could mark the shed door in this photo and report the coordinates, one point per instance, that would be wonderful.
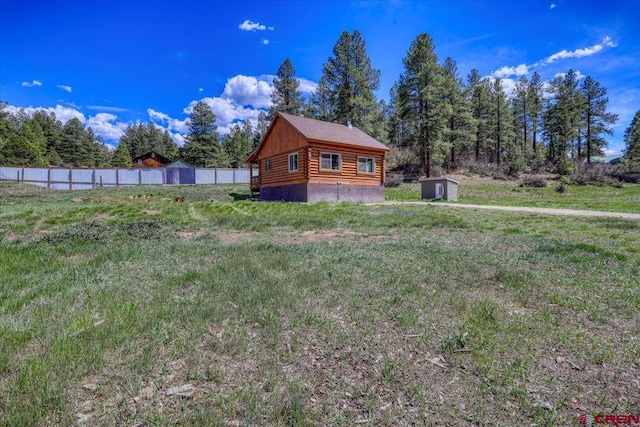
(439, 190)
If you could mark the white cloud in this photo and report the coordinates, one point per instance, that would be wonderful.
(200, 89)
(553, 6)
(32, 83)
(64, 114)
(579, 53)
(107, 126)
(108, 108)
(242, 99)
(248, 90)
(520, 70)
(265, 42)
(65, 88)
(307, 86)
(249, 25)
(169, 123)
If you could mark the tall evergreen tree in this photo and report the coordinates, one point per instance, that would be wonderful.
(52, 130)
(121, 157)
(141, 138)
(567, 103)
(201, 146)
(501, 129)
(479, 94)
(459, 133)
(536, 102)
(261, 129)
(286, 97)
(351, 82)
(521, 113)
(632, 145)
(420, 103)
(320, 101)
(238, 143)
(597, 120)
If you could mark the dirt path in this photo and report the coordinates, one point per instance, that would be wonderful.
(545, 211)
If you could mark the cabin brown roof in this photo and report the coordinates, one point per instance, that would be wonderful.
(317, 130)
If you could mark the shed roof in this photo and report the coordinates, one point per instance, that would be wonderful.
(317, 130)
(438, 179)
(179, 164)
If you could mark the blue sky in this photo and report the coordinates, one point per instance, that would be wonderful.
(112, 63)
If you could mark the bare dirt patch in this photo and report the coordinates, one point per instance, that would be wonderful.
(188, 235)
(152, 211)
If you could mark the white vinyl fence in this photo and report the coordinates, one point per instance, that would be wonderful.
(83, 179)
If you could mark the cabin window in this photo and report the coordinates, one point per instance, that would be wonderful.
(267, 165)
(366, 164)
(330, 161)
(293, 162)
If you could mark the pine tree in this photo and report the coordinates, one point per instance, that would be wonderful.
(351, 81)
(632, 143)
(479, 94)
(261, 129)
(567, 104)
(286, 97)
(536, 102)
(19, 150)
(52, 131)
(459, 133)
(238, 143)
(521, 113)
(320, 101)
(420, 103)
(122, 157)
(501, 129)
(596, 118)
(201, 146)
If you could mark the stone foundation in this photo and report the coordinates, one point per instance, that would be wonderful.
(333, 193)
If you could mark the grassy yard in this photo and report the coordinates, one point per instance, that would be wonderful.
(124, 307)
(487, 191)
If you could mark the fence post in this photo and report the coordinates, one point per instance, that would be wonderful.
(215, 176)
(49, 179)
(23, 175)
(234, 176)
(100, 180)
(140, 177)
(118, 177)
(93, 179)
(71, 179)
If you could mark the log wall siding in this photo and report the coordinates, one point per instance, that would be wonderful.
(279, 172)
(283, 138)
(348, 173)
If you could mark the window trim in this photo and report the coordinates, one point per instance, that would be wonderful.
(366, 158)
(291, 157)
(331, 154)
(267, 165)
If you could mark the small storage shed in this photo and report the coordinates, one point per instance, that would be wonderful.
(306, 160)
(150, 160)
(439, 188)
(179, 172)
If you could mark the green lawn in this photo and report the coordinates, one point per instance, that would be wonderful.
(510, 193)
(295, 314)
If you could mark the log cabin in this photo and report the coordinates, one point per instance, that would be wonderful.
(306, 160)
(150, 160)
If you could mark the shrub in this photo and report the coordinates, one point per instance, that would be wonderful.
(595, 173)
(533, 181)
(562, 188)
(393, 180)
(565, 166)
